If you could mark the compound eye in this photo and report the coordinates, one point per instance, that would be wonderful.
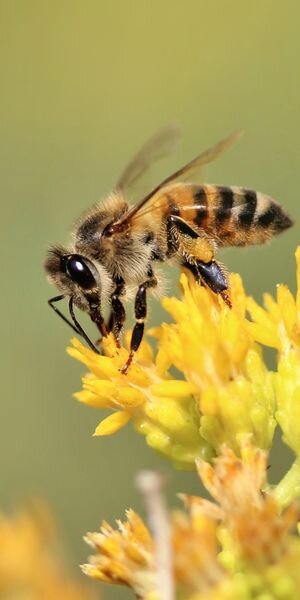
(79, 272)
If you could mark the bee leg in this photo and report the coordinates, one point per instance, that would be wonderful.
(182, 227)
(110, 321)
(118, 314)
(140, 313)
(79, 328)
(212, 275)
(188, 243)
(198, 253)
(215, 278)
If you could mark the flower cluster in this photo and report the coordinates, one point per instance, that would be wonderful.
(206, 399)
(239, 547)
(278, 326)
(222, 392)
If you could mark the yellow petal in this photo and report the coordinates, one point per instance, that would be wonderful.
(92, 399)
(95, 573)
(288, 307)
(259, 315)
(136, 375)
(112, 423)
(101, 366)
(129, 397)
(100, 386)
(173, 389)
(272, 307)
(264, 336)
(75, 353)
(109, 345)
(238, 294)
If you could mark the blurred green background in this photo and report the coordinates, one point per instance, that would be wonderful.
(83, 84)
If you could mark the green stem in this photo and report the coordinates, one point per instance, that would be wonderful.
(289, 487)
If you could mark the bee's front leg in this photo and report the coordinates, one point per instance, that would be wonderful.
(140, 313)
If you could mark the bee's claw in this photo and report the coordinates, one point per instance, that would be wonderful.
(124, 369)
(226, 299)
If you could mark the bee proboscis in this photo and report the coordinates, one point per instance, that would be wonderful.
(117, 248)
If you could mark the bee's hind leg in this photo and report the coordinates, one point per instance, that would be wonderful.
(198, 256)
(212, 275)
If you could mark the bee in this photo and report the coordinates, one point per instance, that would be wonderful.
(117, 247)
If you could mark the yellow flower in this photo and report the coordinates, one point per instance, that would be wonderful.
(213, 349)
(195, 549)
(206, 395)
(126, 555)
(239, 547)
(206, 384)
(278, 324)
(161, 408)
(123, 556)
(31, 566)
(287, 384)
(223, 393)
(259, 531)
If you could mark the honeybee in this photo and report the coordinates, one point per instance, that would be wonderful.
(117, 247)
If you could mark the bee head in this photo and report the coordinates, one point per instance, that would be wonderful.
(83, 282)
(75, 275)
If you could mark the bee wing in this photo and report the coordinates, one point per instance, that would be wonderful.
(182, 174)
(162, 143)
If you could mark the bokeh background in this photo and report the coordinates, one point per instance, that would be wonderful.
(83, 84)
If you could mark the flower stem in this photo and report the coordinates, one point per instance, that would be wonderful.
(289, 487)
(151, 485)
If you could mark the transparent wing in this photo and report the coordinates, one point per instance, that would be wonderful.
(194, 166)
(162, 143)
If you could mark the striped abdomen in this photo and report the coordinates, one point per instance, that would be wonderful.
(234, 216)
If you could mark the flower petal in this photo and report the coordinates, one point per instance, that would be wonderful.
(112, 423)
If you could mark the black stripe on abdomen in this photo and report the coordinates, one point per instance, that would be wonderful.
(226, 200)
(268, 217)
(275, 216)
(247, 212)
(200, 203)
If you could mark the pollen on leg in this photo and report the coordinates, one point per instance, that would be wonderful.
(202, 250)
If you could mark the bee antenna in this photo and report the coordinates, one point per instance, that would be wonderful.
(78, 327)
(75, 325)
(52, 303)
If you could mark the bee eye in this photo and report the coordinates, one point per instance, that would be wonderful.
(79, 272)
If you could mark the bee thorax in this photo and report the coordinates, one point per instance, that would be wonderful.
(127, 256)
